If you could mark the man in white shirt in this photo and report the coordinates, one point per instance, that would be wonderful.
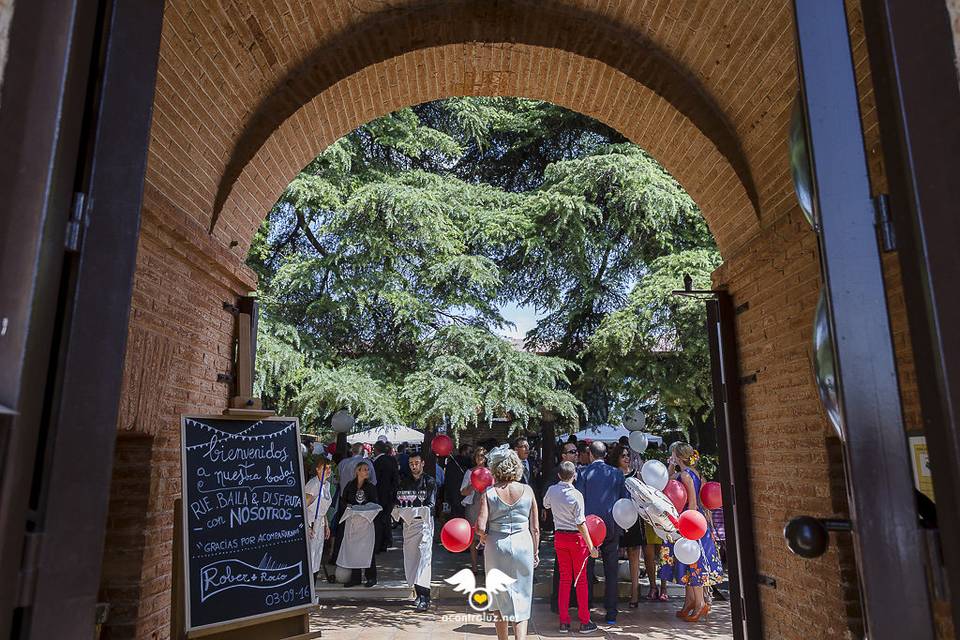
(573, 545)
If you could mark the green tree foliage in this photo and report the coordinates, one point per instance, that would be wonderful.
(469, 374)
(654, 349)
(393, 251)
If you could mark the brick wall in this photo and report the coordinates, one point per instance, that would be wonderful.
(794, 458)
(180, 339)
(222, 66)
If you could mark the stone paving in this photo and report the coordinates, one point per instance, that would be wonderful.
(449, 620)
(384, 612)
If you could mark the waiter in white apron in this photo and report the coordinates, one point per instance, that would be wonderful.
(319, 499)
(415, 501)
(360, 508)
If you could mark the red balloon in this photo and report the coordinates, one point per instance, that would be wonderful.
(442, 445)
(456, 535)
(677, 494)
(597, 528)
(711, 496)
(481, 478)
(693, 525)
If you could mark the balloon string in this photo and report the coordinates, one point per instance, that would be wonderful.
(576, 579)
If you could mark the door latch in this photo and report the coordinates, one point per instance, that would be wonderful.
(77, 222)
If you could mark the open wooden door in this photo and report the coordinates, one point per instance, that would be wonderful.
(731, 443)
(884, 524)
(75, 123)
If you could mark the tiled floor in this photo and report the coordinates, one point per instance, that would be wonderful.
(385, 613)
(449, 620)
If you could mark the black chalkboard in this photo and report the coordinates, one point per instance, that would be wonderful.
(245, 548)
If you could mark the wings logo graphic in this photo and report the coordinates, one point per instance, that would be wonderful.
(479, 597)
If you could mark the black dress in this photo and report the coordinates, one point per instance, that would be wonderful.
(634, 536)
(353, 496)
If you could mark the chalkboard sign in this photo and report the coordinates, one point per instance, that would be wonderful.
(245, 548)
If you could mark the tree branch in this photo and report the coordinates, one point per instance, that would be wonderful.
(308, 232)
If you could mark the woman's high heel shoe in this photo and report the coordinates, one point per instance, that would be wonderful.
(702, 614)
(683, 613)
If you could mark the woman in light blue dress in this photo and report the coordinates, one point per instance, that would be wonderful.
(508, 526)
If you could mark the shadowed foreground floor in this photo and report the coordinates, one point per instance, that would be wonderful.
(384, 612)
(449, 620)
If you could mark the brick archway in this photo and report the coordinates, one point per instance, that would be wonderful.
(249, 92)
(561, 77)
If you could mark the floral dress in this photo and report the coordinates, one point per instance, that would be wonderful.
(706, 571)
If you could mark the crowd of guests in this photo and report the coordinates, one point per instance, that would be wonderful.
(380, 488)
(372, 487)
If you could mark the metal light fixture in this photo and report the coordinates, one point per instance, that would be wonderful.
(800, 162)
(825, 365)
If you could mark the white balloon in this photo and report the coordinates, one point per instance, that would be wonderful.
(654, 507)
(638, 441)
(343, 574)
(634, 420)
(687, 551)
(342, 421)
(655, 474)
(625, 513)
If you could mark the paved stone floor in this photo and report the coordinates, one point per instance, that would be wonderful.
(384, 612)
(448, 621)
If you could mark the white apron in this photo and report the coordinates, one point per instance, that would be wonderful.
(356, 550)
(317, 520)
(417, 544)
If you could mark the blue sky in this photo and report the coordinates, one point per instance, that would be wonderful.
(525, 317)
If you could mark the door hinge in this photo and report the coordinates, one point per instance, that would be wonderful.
(28, 568)
(77, 222)
(888, 235)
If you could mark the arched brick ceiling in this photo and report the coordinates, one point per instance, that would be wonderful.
(489, 69)
(249, 92)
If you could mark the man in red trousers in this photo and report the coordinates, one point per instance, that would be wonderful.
(573, 546)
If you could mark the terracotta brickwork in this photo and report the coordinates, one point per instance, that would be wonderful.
(793, 455)
(249, 92)
(180, 339)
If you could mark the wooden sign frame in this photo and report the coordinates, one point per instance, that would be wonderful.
(184, 551)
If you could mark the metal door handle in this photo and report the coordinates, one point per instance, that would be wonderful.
(808, 537)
